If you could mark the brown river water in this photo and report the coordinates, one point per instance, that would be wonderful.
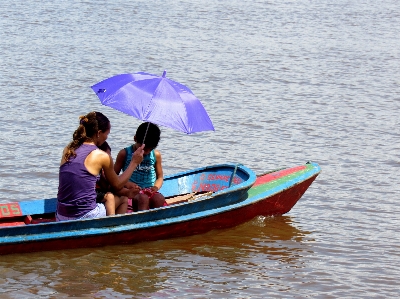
(284, 82)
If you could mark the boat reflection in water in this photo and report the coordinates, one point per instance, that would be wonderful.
(252, 249)
(276, 237)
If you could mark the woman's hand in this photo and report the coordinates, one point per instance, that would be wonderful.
(137, 156)
(132, 192)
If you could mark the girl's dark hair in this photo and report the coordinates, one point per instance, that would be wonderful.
(89, 125)
(105, 147)
(149, 134)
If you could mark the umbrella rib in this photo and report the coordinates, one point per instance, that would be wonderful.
(183, 104)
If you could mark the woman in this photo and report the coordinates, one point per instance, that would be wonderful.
(81, 163)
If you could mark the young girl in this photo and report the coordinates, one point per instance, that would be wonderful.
(149, 174)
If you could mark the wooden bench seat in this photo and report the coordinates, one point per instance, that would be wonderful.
(186, 197)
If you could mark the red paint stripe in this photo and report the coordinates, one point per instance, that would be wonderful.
(276, 175)
(12, 223)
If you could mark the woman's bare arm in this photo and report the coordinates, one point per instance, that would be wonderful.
(118, 182)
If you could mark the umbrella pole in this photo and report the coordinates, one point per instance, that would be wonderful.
(145, 134)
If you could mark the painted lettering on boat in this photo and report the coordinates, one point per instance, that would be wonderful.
(237, 180)
(10, 210)
(210, 187)
(225, 178)
(218, 177)
(214, 187)
(206, 184)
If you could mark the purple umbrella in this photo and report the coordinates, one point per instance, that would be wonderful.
(155, 99)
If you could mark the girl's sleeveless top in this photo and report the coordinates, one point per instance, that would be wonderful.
(145, 173)
(76, 190)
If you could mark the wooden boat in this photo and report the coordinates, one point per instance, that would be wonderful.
(237, 196)
(30, 225)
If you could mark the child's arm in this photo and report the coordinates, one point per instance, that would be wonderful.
(119, 162)
(159, 171)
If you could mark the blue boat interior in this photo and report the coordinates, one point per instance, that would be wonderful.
(204, 180)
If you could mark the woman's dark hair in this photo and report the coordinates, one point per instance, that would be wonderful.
(89, 125)
(103, 122)
(149, 134)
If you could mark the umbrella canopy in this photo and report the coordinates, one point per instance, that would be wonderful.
(155, 99)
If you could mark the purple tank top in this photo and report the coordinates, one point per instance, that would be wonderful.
(76, 189)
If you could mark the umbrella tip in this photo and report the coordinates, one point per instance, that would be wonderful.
(164, 73)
